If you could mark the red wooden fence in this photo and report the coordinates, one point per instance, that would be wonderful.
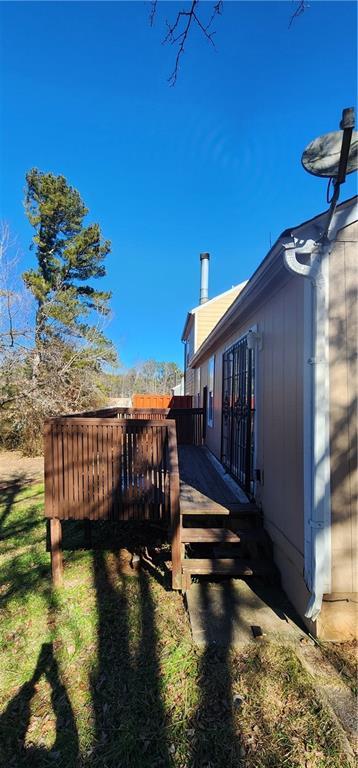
(151, 401)
(162, 401)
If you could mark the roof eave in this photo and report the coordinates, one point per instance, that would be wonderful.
(251, 286)
(189, 317)
(248, 292)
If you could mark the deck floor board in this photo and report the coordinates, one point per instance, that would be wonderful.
(202, 488)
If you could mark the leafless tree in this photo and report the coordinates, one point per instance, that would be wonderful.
(150, 376)
(13, 300)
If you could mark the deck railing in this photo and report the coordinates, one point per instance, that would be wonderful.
(116, 464)
(106, 469)
(189, 425)
(189, 421)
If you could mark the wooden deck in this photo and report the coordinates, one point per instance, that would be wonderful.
(125, 465)
(216, 533)
(202, 489)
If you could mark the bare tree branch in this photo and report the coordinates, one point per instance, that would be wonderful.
(301, 7)
(12, 295)
(153, 11)
(179, 30)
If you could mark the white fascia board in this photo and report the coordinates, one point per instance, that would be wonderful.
(310, 232)
(240, 301)
(219, 296)
(195, 334)
(188, 321)
(191, 316)
(305, 236)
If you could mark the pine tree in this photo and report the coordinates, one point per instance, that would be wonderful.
(69, 255)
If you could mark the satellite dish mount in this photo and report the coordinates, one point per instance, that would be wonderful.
(333, 156)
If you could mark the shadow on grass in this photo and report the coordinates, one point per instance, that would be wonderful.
(8, 494)
(130, 726)
(28, 570)
(129, 714)
(15, 720)
(136, 538)
(215, 742)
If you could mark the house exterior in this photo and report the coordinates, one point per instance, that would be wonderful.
(199, 323)
(279, 368)
(178, 390)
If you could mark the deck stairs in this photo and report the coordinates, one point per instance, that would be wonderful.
(220, 534)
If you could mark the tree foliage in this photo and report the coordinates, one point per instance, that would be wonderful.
(52, 342)
(69, 254)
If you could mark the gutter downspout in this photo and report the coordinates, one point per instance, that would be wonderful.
(317, 513)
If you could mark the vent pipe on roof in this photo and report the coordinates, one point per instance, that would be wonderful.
(204, 277)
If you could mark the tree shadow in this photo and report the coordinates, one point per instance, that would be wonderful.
(129, 714)
(8, 494)
(26, 570)
(215, 741)
(15, 721)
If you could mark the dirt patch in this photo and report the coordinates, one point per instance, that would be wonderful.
(15, 468)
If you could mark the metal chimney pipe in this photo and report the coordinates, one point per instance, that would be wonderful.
(204, 277)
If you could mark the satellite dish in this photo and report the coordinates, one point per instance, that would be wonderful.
(322, 156)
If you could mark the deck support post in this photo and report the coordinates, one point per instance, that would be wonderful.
(56, 551)
(186, 582)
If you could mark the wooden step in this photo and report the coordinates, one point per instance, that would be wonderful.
(208, 536)
(243, 510)
(226, 567)
(219, 535)
(207, 509)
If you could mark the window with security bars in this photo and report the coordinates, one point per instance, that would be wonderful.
(211, 375)
(238, 411)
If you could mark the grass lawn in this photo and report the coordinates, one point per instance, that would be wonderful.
(104, 673)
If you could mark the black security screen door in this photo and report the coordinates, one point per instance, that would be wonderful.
(237, 444)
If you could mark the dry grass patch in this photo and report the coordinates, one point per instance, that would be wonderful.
(283, 722)
(344, 657)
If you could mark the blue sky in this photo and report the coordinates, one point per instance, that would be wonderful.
(212, 164)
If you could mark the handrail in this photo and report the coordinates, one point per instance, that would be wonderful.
(189, 421)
